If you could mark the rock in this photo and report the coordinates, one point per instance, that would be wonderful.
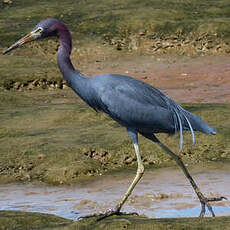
(7, 1)
(133, 45)
(41, 156)
(64, 84)
(36, 82)
(43, 83)
(30, 86)
(52, 86)
(16, 85)
(129, 160)
(59, 85)
(186, 41)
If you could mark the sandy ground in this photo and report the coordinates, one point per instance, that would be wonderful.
(203, 79)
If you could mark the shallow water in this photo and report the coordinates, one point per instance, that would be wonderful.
(161, 193)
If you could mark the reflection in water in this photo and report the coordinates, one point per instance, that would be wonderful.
(161, 193)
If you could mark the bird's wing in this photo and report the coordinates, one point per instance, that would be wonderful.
(136, 104)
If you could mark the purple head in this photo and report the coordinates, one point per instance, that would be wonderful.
(46, 28)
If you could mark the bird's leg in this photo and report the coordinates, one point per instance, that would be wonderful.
(203, 200)
(139, 174)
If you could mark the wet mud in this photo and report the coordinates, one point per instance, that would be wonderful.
(162, 193)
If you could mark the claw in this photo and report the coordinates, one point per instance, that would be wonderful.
(204, 202)
(88, 216)
(115, 212)
(216, 199)
(109, 213)
(101, 216)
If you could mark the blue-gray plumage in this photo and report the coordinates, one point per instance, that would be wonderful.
(134, 104)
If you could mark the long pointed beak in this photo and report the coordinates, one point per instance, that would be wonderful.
(29, 37)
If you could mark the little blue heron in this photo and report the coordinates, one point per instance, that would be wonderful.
(137, 106)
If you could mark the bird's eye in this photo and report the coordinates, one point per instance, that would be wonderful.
(38, 30)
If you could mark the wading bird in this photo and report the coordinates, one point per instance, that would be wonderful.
(137, 106)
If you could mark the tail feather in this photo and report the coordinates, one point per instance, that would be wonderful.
(184, 120)
(199, 125)
(180, 128)
(191, 129)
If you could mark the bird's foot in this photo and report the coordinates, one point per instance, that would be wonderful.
(205, 202)
(114, 212)
(101, 216)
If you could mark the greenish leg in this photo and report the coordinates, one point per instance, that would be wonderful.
(139, 174)
(203, 200)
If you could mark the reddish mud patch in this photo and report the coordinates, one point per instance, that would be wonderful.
(203, 79)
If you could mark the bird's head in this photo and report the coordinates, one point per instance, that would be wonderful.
(45, 28)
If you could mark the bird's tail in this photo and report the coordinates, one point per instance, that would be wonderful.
(199, 125)
(185, 120)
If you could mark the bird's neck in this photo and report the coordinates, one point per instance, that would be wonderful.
(73, 77)
(64, 63)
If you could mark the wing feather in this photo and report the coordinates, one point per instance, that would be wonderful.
(137, 104)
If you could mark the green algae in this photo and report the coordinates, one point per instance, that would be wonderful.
(10, 220)
(106, 17)
(132, 222)
(54, 137)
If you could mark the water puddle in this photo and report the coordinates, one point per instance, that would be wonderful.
(161, 193)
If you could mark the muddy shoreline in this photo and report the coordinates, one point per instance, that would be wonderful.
(10, 220)
(162, 193)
